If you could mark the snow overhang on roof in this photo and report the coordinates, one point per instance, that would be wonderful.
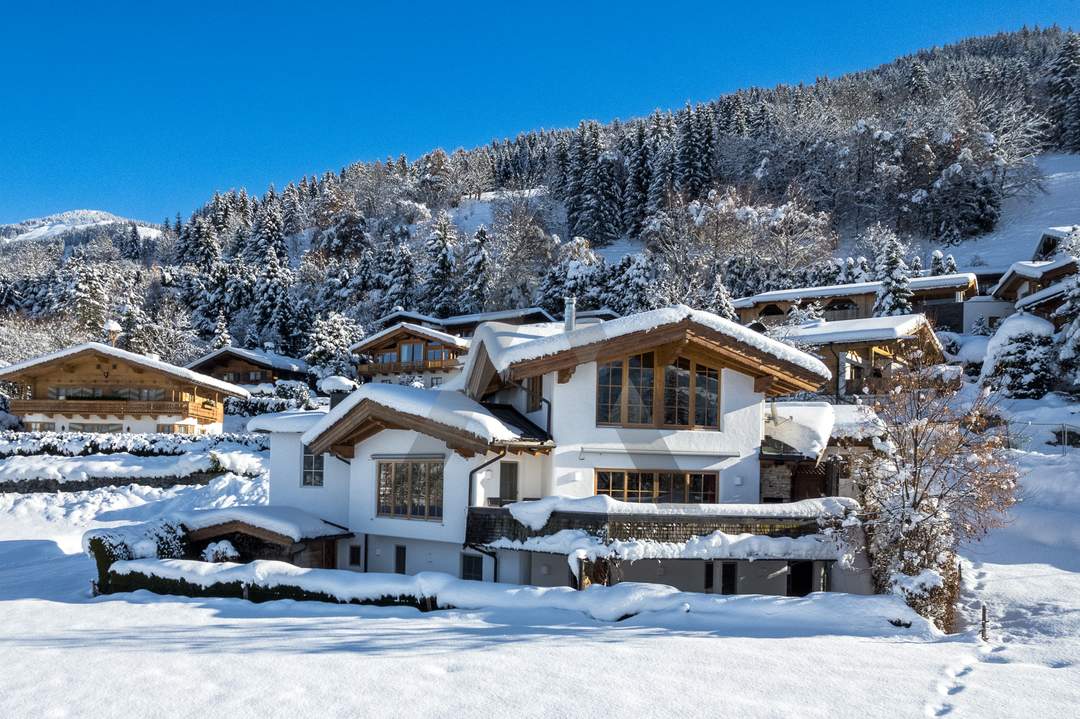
(1035, 270)
(182, 373)
(410, 328)
(292, 420)
(549, 348)
(804, 426)
(466, 426)
(278, 523)
(869, 329)
(262, 358)
(1046, 294)
(959, 281)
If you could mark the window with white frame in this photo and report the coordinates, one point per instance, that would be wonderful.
(313, 469)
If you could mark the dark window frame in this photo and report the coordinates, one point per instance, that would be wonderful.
(657, 486)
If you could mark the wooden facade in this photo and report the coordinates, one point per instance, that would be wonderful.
(409, 349)
(240, 369)
(102, 388)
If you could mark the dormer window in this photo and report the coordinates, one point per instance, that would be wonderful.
(626, 393)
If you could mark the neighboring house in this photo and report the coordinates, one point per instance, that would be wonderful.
(1037, 287)
(623, 450)
(1050, 241)
(250, 367)
(465, 325)
(94, 387)
(939, 297)
(864, 353)
(406, 352)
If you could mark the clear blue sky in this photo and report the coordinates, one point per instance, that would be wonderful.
(144, 109)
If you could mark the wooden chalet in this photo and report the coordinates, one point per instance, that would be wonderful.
(465, 325)
(239, 365)
(938, 297)
(93, 387)
(410, 349)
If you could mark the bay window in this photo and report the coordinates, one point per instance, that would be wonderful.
(627, 393)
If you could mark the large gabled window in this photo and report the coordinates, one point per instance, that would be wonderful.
(410, 489)
(637, 391)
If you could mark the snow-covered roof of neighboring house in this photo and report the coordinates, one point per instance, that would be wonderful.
(555, 341)
(296, 524)
(476, 317)
(183, 373)
(856, 421)
(961, 280)
(868, 329)
(446, 407)
(803, 426)
(291, 420)
(412, 328)
(1034, 270)
(336, 383)
(264, 358)
(1060, 232)
(1045, 294)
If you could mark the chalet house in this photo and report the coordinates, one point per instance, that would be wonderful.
(94, 387)
(408, 351)
(465, 325)
(864, 353)
(243, 366)
(627, 450)
(939, 297)
(1050, 241)
(1038, 287)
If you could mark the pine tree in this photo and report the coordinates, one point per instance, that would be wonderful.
(1063, 85)
(690, 172)
(1021, 358)
(916, 266)
(638, 177)
(440, 296)
(272, 308)
(718, 300)
(918, 84)
(477, 274)
(400, 281)
(328, 343)
(221, 332)
(949, 266)
(894, 295)
(603, 204)
(346, 237)
(1069, 342)
(88, 295)
(269, 234)
(937, 263)
(293, 213)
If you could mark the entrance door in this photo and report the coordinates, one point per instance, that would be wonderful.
(800, 579)
(399, 558)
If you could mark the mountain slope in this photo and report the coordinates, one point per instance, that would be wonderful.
(50, 226)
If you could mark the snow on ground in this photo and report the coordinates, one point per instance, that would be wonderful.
(1023, 219)
(41, 228)
(123, 465)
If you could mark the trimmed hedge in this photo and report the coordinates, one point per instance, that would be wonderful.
(106, 546)
(81, 444)
(134, 581)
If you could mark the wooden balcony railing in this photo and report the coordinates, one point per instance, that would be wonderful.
(115, 408)
(407, 367)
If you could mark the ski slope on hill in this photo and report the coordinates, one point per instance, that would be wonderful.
(41, 228)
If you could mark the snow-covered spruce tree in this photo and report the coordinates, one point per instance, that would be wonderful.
(401, 281)
(915, 266)
(440, 296)
(980, 327)
(1021, 360)
(221, 336)
(1069, 339)
(1063, 87)
(937, 263)
(272, 309)
(894, 295)
(347, 236)
(949, 265)
(476, 272)
(577, 272)
(638, 176)
(268, 233)
(87, 295)
(718, 300)
(602, 216)
(328, 343)
(942, 475)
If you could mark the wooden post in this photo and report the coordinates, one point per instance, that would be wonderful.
(982, 632)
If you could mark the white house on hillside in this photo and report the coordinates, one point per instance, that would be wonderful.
(562, 454)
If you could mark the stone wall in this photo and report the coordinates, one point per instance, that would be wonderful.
(776, 480)
(29, 486)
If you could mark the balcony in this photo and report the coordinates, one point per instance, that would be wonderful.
(116, 408)
(441, 365)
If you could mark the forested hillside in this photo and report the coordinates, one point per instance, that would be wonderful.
(748, 192)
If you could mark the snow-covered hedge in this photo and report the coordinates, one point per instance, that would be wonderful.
(161, 538)
(264, 580)
(81, 444)
(282, 395)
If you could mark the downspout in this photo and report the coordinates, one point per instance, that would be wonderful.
(472, 474)
(489, 553)
(543, 399)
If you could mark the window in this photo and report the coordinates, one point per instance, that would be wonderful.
(40, 426)
(257, 376)
(437, 354)
(313, 469)
(94, 427)
(534, 390)
(625, 393)
(655, 487)
(472, 567)
(508, 481)
(126, 394)
(412, 352)
(436, 381)
(410, 490)
(399, 559)
(356, 555)
(176, 429)
(386, 357)
(771, 311)
(841, 310)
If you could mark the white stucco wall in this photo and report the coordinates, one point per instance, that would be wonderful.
(330, 501)
(987, 307)
(582, 446)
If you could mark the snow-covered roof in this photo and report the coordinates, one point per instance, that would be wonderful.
(429, 332)
(336, 383)
(1060, 232)
(1046, 293)
(291, 420)
(856, 421)
(475, 317)
(803, 426)
(446, 407)
(535, 513)
(512, 350)
(1033, 270)
(290, 522)
(259, 357)
(868, 329)
(142, 360)
(960, 280)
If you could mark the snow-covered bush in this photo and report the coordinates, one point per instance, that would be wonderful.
(161, 539)
(1021, 360)
(222, 551)
(287, 394)
(81, 444)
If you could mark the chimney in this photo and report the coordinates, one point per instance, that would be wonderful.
(570, 314)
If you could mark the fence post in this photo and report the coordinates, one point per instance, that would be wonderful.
(982, 631)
